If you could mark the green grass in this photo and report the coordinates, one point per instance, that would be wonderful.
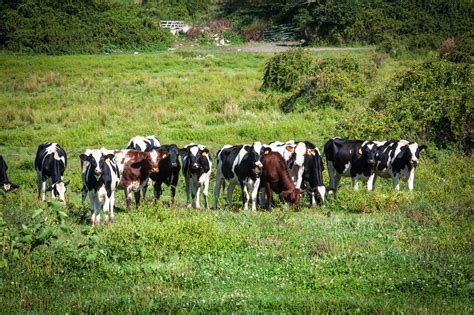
(383, 252)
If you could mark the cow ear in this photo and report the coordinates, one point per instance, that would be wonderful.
(248, 148)
(290, 148)
(423, 147)
(84, 157)
(205, 151)
(360, 151)
(67, 183)
(109, 157)
(267, 150)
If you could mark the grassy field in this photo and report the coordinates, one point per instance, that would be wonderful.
(381, 252)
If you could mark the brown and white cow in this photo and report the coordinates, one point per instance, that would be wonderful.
(135, 168)
(275, 177)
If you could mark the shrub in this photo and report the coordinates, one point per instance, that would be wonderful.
(337, 82)
(457, 50)
(253, 32)
(283, 71)
(430, 102)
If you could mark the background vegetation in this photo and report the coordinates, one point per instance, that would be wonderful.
(33, 26)
(379, 252)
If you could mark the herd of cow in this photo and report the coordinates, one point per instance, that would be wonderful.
(287, 168)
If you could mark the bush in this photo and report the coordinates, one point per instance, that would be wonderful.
(253, 32)
(337, 82)
(457, 50)
(430, 102)
(284, 70)
(39, 27)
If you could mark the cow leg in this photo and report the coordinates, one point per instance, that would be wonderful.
(332, 176)
(245, 195)
(268, 190)
(395, 179)
(322, 193)
(157, 191)
(128, 196)
(312, 197)
(217, 189)
(41, 189)
(411, 179)
(261, 193)
(173, 190)
(370, 182)
(230, 192)
(255, 194)
(106, 208)
(95, 207)
(111, 206)
(188, 191)
(137, 199)
(337, 179)
(197, 192)
(206, 193)
(144, 189)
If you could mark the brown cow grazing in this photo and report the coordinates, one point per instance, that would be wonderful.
(276, 177)
(135, 169)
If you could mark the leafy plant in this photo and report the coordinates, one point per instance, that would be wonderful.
(284, 70)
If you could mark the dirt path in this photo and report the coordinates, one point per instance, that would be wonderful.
(276, 47)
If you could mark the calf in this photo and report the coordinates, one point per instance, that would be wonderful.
(143, 144)
(169, 172)
(100, 179)
(135, 168)
(398, 159)
(239, 164)
(5, 184)
(50, 164)
(197, 172)
(350, 158)
(276, 177)
(313, 174)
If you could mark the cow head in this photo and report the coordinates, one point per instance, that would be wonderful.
(254, 156)
(59, 189)
(154, 157)
(368, 151)
(411, 153)
(197, 157)
(292, 196)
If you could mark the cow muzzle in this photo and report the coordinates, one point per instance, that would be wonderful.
(97, 172)
(174, 164)
(195, 166)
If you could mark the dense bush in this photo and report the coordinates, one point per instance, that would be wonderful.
(336, 82)
(284, 70)
(54, 27)
(253, 32)
(430, 102)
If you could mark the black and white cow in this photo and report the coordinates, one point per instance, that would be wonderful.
(350, 158)
(239, 165)
(5, 184)
(50, 164)
(143, 144)
(398, 159)
(100, 180)
(169, 172)
(313, 174)
(197, 166)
